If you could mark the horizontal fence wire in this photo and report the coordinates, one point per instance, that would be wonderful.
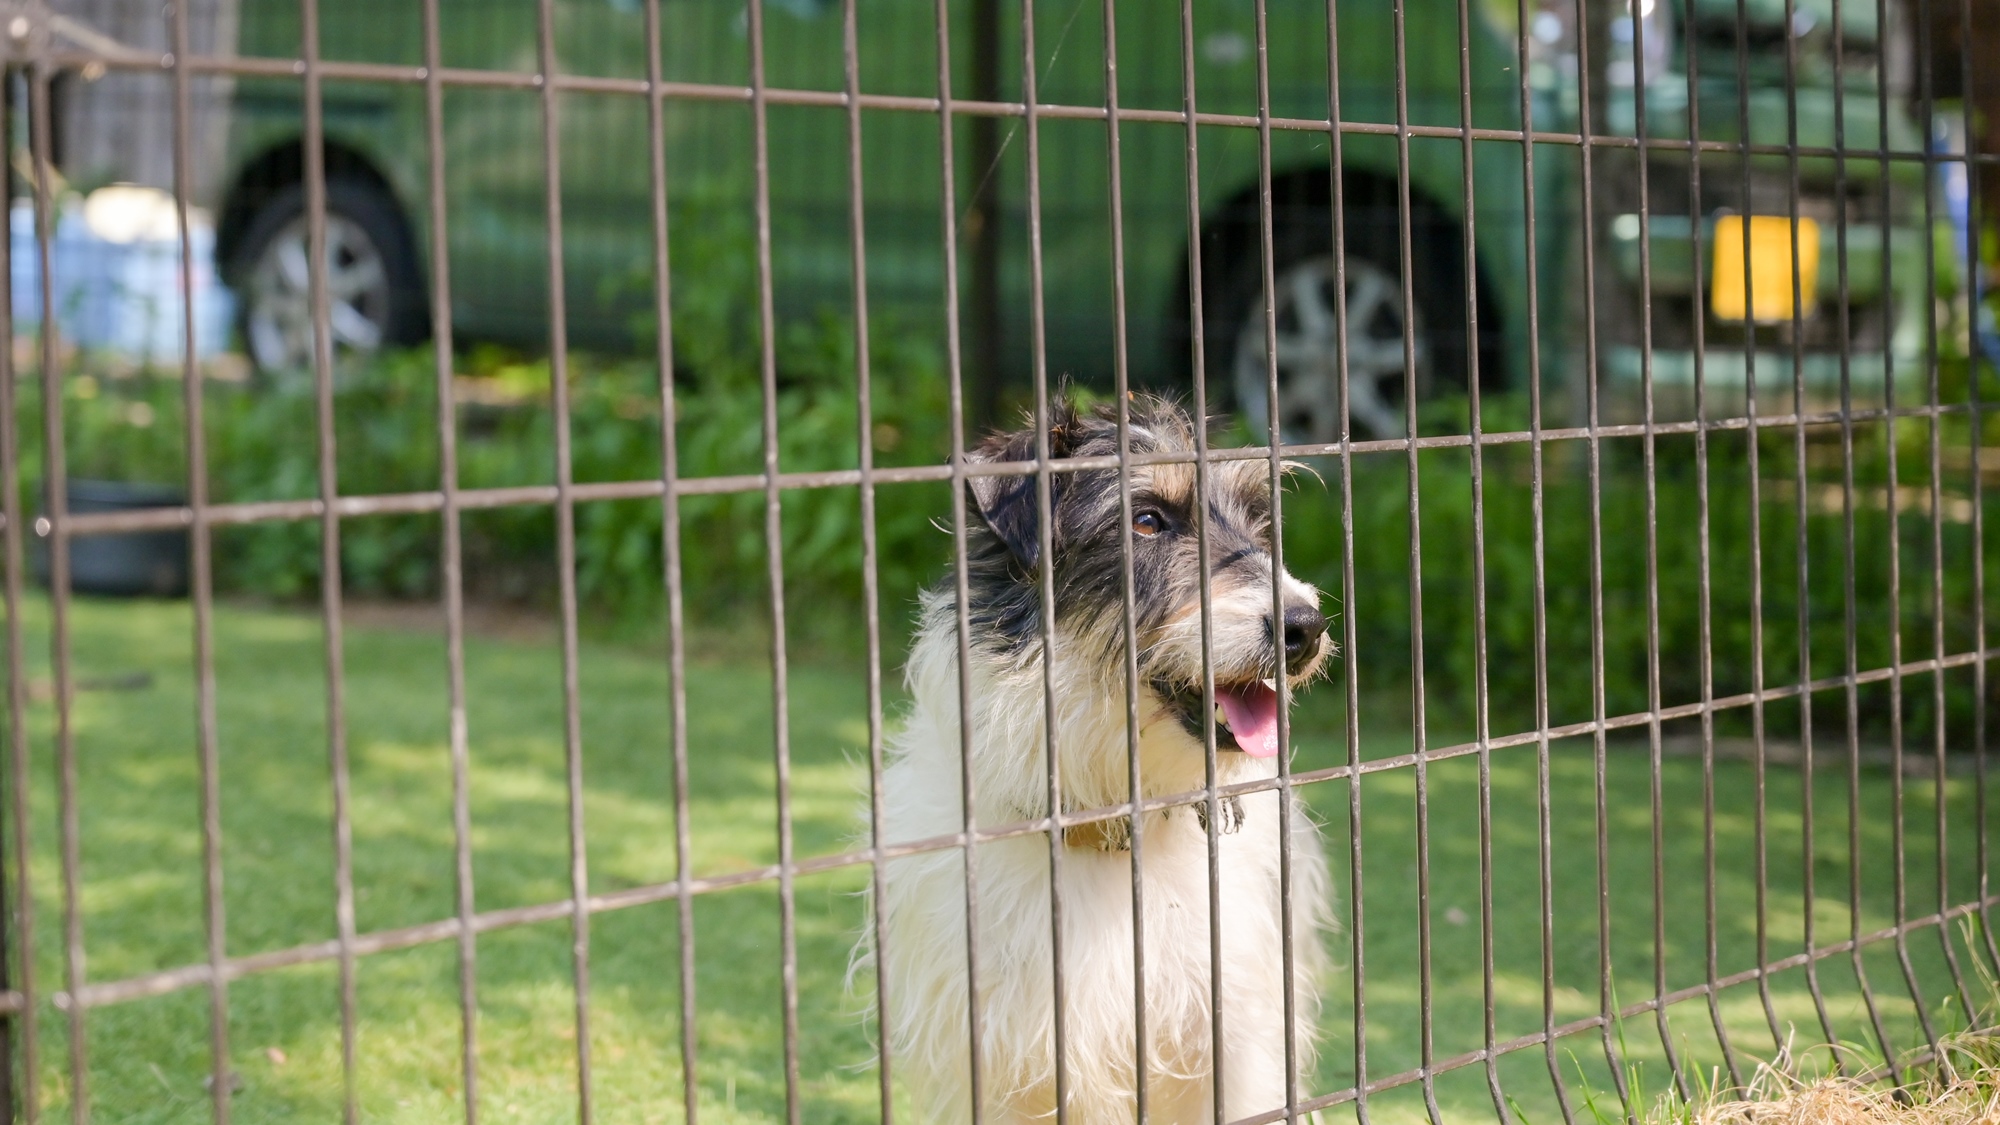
(114, 992)
(411, 503)
(56, 45)
(247, 67)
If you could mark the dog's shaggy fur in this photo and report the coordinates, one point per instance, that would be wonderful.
(925, 904)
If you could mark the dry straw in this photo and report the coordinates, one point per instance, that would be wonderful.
(1961, 1088)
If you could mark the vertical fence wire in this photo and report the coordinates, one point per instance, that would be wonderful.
(1801, 546)
(22, 1029)
(1045, 570)
(1705, 593)
(1752, 442)
(1975, 301)
(1892, 505)
(1128, 590)
(1267, 255)
(670, 559)
(871, 600)
(1406, 262)
(1849, 603)
(774, 540)
(1934, 431)
(330, 572)
(1350, 644)
(56, 483)
(451, 547)
(202, 586)
(1205, 594)
(565, 518)
(1649, 467)
(960, 578)
(1482, 730)
(12, 892)
(1538, 555)
(1607, 1005)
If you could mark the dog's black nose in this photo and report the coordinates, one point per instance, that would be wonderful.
(1304, 625)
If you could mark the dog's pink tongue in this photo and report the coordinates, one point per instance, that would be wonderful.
(1253, 718)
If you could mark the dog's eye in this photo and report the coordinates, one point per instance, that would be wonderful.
(1148, 524)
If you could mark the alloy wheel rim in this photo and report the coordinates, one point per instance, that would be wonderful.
(1309, 354)
(280, 321)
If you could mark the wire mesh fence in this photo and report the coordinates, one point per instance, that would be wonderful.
(1617, 370)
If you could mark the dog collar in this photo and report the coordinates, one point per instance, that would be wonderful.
(1115, 834)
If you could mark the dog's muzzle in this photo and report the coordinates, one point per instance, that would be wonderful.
(1302, 629)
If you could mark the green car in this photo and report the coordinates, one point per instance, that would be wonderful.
(379, 212)
(1786, 270)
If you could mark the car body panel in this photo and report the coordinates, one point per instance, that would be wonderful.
(493, 141)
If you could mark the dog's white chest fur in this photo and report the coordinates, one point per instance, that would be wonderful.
(925, 908)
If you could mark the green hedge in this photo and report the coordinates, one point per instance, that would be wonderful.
(1449, 595)
(262, 442)
(262, 445)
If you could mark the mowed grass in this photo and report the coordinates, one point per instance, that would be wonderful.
(141, 907)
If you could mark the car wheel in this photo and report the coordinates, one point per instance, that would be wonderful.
(1309, 354)
(1309, 345)
(373, 290)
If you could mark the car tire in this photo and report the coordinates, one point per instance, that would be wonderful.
(1308, 343)
(375, 296)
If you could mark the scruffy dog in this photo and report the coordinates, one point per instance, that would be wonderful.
(924, 919)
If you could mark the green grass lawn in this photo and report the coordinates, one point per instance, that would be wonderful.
(142, 909)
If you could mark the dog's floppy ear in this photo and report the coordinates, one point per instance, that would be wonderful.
(1006, 504)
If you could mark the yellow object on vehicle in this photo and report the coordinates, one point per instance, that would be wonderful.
(1763, 291)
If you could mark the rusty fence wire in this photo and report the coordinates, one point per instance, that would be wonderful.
(1597, 432)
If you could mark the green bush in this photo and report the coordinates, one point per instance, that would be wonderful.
(1737, 611)
(262, 446)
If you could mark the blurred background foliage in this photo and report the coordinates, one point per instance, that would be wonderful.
(263, 446)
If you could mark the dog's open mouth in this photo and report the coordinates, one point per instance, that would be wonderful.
(1246, 715)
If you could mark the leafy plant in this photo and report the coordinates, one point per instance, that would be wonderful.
(1600, 562)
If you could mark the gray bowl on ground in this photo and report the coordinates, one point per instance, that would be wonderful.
(123, 564)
